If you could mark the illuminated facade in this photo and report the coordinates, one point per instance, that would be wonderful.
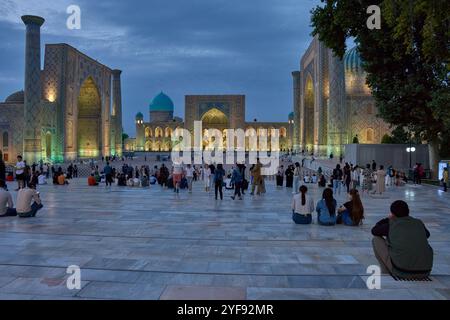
(332, 103)
(219, 112)
(64, 112)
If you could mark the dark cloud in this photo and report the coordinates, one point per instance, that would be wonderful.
(179, 46)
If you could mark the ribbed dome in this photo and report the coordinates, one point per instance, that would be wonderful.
(139, 116)
(161, 102)
(291, 116)
(16, 97)
(353, 61)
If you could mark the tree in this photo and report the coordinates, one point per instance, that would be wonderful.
(407, 60)
(386, 139)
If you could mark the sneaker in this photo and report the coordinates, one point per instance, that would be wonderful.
(240, 198)
(232, 197)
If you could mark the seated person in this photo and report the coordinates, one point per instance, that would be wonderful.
(136, 182)
(42, 179)
(55, 178)
(400, 244)
(6, 202)
(28, 202)
(302, 207)
(322, 181)
(62, 180)
(326, 209)
(153, 180)
(351, 213)
(144, 181)
(306, 178)
(314, 178)
(97, 176)
(92, 181)
(228, 183)
(34, 178)
(122, 181)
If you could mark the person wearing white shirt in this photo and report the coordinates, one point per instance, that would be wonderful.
(302, 207)
(42, 179)
(6, 202)
(207, 177)
(20, 172)
(28, 202)
(297, 172)
(189, 173)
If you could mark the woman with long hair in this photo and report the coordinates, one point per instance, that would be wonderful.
(302, 207)
(351, 213)
(326, 209)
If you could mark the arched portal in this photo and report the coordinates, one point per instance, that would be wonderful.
(309, 112)
(89, 120)
(215, 119)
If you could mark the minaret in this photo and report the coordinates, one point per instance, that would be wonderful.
(117, 110)
(337, 116)
(296, 76)
(32, 125)
(140, 132)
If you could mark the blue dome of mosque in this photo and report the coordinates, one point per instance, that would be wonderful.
(291, 116)
(139, 115)
(161, 102)
(353, 61)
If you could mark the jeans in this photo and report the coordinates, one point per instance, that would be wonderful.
(301, 219)
(34, 209)
(237, 189)
(10, 212)
(218, 185)
(189, 182)
(337, 186)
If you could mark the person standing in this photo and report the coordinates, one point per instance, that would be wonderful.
(257, 183)
(189, 174)
(347, 176)
(219, 174)
(236, 179)
(297, 171)
(20, 169)
(367, 179)
(445, 178)
(280, 176)
(381, 182)
(2, 168)
(206, 173)
(289, 176)
(337, 179)
(177, 175)
(107, 170)
(374, 165)
(45, 170)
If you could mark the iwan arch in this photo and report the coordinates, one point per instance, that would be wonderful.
(71, 109)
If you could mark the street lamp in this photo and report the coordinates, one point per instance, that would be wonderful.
(410, 150)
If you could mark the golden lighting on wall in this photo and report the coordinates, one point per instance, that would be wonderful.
(51, 97)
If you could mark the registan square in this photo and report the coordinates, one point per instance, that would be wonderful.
(224, 150)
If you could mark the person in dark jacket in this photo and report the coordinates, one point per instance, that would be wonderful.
(2, 168)
(401, 245)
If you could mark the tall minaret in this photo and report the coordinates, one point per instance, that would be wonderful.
(117, 110)
(296, 77)
(32, 125)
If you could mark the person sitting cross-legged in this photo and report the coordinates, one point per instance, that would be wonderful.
(326, 209)
(91, 180)
(401, 245)
(28, 202)
(302, 207)
(6, 202)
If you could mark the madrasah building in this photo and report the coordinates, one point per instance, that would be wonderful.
(332, 102)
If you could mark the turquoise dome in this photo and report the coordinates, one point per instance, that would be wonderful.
(353, 61)
(139, 116)
(291, 116)
(161, 102)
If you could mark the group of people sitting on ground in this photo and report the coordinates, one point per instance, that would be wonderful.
(351, 213)
(27, 204)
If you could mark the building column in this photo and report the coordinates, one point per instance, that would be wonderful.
(337, 116)
(117, 111)
(32, 105)
(296, 99)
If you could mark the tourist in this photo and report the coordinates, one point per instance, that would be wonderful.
(257, 178)
(347, 176)
(206, 173)
(367, 179)
(189, 174)
(2, 168)
(6, 202)
(42, 178)
(244, 184)
(20, 177)
(390, 174)
(107, 170)
(75, 171)
(228, 182)
(280, 176)
(322, 181)
(289, 176)
(145, 181)
(62, 179)
(400, 244)
(177, 175)
(70, 171)
(351, 213)
(34, 179)
(122, 180)
(314, 178)
(45, 170)
(163, 175)
(152, 180)
(445, 178)
(28, 202)
(236, 179)
(219, 173)
(326, 209)
(297, 171)
(381, 182)
(91, 180)
(374, 165)
(302, 207)
(337, 179)
(355, 176)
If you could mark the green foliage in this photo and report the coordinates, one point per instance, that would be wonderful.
(124, 136)
(387, 139)
(407, 60)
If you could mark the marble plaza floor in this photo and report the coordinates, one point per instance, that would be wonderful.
(150, 244)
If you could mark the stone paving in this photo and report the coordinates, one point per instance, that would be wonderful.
(134, 243)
